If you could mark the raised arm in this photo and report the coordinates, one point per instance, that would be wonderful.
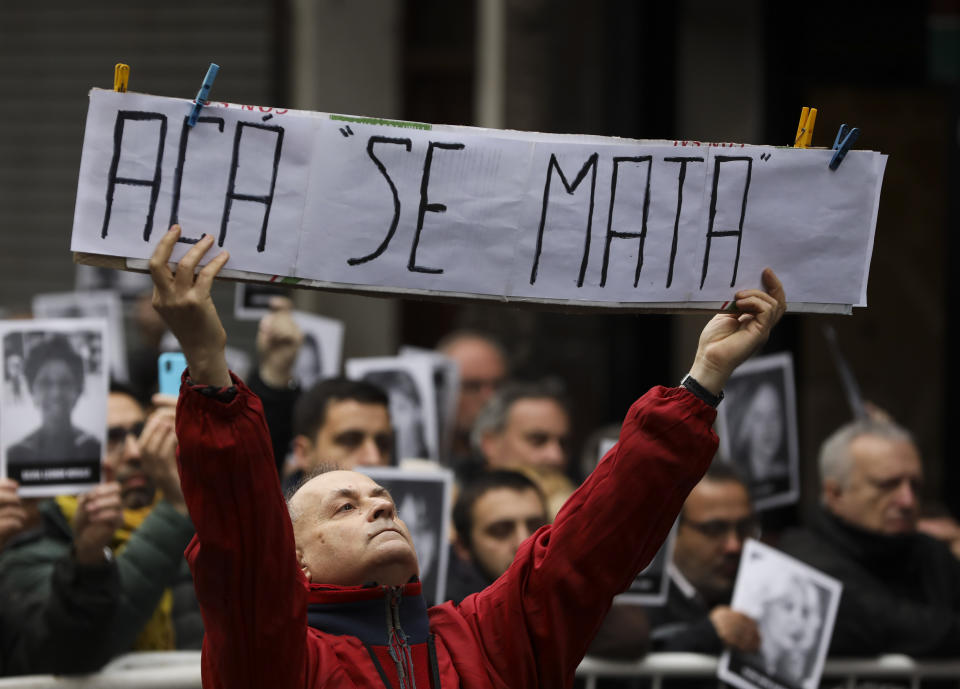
(183, 301)
(243, 560)
(563, 579)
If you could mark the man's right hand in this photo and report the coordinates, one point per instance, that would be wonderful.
(13, 516)
(99, 515)
(184, 303)
(735, 629)
(158, 452)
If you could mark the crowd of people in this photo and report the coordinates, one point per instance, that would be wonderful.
(293, 561)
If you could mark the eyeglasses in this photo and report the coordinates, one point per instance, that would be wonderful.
(748, 527)
(117, 435)
(473, 386)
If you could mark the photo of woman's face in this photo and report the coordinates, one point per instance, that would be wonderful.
(766, 425)
(404, 411)
(793, 619)
(55, 391)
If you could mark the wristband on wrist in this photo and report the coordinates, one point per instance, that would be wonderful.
(694, 386)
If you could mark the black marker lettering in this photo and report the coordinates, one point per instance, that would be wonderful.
(738, 233)
(113, 180)
(406, 143)
(178, 172)
(266, 199)
(590, 165)
(676, 223)
(426, 206)
(642, 234)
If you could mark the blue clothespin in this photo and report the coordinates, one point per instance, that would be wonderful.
(846, 137)
(203, 93)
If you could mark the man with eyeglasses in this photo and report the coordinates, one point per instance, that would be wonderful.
(716, 519)
(901, 588)
(157, 609)
(482, 364)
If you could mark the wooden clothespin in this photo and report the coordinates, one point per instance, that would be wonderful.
(808, 117)
(121, 77)
(846, 137)
(203, 93)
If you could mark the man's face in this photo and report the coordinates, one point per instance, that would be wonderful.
(482, 370)
(535, 435)
(353, 434)
(881, 492)
(503, 518)
(125, 418)
(347, 532)
(716, 519)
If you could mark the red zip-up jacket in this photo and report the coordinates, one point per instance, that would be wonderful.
(266, 627)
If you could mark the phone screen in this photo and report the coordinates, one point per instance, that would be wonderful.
(170, 368)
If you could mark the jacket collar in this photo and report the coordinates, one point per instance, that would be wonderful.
(370, 613)
(863, 545)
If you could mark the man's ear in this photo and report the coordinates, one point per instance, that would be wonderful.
(302, 453)
(303, 565)
(490, 447)
(832, 492)
(461, 550)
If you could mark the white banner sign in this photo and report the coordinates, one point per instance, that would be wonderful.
(399, 207)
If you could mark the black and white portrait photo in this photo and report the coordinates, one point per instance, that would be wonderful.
(320, 352)
(423, 500)
(650, 585)
(757, 425)
(53, 407)
(251, 300)
(104, 304)
(446, 392)
(408, 382)
(795, 607)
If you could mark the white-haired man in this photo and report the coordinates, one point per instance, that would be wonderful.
(332, 600)
(901, 590)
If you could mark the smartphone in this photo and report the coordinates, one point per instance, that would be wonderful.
(170, 368)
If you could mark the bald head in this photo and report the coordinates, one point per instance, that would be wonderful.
(347, 532)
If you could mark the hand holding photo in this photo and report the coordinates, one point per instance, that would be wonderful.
(794, 607)
(53, 405)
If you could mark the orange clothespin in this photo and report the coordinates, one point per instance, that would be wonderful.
(121, 77)
(808, 117)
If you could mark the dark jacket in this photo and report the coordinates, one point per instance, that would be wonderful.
(151, 562)
(683, 624)
(901, 594)
(64, 631)
(266, 626)
(278, 404)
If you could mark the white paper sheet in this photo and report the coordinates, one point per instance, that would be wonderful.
(406, 208)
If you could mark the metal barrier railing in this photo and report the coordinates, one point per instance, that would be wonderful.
(181, 670)
(159, 670)
(844, 672)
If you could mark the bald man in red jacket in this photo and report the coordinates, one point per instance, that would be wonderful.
(323, 592)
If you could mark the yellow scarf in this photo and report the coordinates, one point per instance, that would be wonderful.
(157, 633)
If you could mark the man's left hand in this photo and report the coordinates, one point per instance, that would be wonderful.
(729, 339)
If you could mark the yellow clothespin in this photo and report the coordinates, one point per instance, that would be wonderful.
(121, 76)
(808, 117)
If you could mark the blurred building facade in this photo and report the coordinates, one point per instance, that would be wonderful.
(692, 69)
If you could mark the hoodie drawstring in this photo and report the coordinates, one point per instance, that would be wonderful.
(399, 650)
